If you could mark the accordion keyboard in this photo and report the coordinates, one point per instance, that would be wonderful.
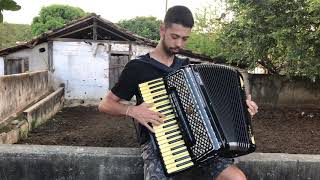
(169, 139)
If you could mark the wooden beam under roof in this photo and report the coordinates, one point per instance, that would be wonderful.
(71, 32)
(116, 28)
(94, 29)
(116, 34)
(70, 26)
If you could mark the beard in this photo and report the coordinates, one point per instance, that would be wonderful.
(170, 51)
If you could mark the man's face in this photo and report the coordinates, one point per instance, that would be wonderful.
(174, 38)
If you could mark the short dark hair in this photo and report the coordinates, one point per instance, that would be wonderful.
(179, 15)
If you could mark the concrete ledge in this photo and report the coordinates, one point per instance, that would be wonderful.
(68, 163)
(40, 112)
(34, 116)
(20, 131)
(280, 166)
(82, 163)
(20, 90)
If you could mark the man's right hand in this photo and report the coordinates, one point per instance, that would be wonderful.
(144, 115)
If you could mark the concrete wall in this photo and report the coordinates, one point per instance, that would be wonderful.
(279, 91)
(1, 66)
(82, 68)
(278, 166)
(18, 162)
(19, 90)
(138, 50)
(37, 60)
(68, 163)
(33, 117)
(43, 110)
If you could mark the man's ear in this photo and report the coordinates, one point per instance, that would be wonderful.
(162, 29)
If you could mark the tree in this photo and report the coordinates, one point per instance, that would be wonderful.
(281, 35)
(8, 5)
(208, 24)
(11, 33)
(54, 16)
(144, 26)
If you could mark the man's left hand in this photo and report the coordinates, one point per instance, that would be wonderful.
(252, 106)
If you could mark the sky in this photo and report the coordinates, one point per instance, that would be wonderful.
(112, 10)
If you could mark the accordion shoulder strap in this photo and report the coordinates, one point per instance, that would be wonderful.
(177, 63)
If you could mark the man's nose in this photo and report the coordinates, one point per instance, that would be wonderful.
(179, 43)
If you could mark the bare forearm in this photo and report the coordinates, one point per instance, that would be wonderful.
(111, 104)
(113, 108)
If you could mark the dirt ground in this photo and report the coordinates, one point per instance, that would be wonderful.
(281, 130)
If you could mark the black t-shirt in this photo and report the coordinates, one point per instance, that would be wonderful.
(137, 71)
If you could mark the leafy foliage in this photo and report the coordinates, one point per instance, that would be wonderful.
(8, 5)
(147, 27)
(54, 16)
(12, 33)
(281, 35)
(206, 31)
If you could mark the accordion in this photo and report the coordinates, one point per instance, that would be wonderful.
(205, 115)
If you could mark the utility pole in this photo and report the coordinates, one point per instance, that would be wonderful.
(166, 6)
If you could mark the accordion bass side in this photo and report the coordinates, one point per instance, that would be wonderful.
(205, 115)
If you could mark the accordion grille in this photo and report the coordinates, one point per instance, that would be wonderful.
(223, 87)
(202, 143)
